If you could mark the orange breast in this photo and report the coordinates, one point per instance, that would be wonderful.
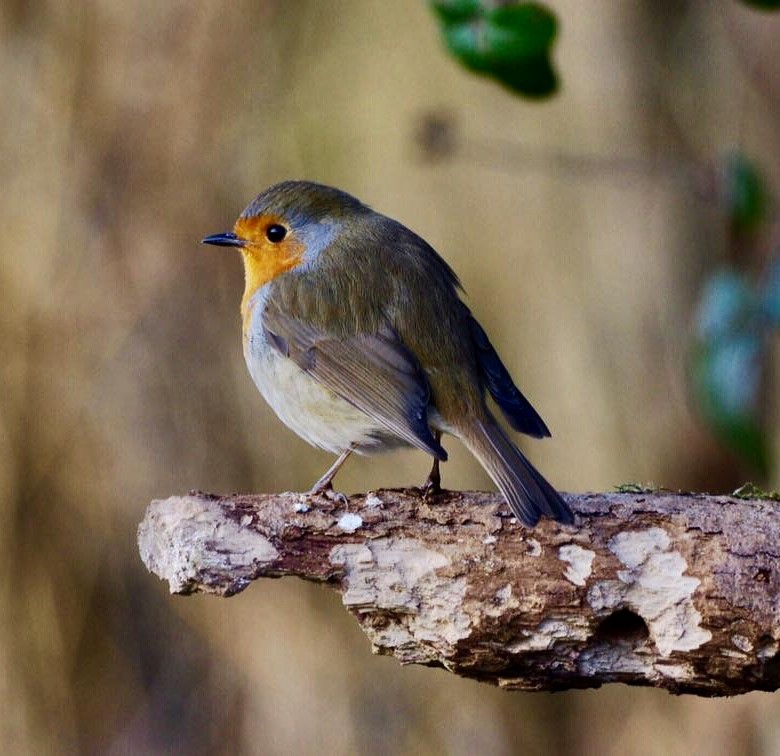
(264, 260)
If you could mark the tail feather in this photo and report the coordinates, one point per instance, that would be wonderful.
(518, 411)
(528, 494)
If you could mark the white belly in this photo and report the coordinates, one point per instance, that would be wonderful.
(307, 407)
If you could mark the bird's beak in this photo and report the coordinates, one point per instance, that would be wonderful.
(228, 239)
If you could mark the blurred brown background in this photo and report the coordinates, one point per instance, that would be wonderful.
(131, 130)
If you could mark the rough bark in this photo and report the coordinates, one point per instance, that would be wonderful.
(676, 591)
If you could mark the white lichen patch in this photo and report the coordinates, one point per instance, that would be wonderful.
(613, 659)
(502, 602)
(399, 575)
(742, 643)
(503, 595)
(633, 548)
(349, 522)
(580, 562)
(373, 501)
(488, 540)
(675, 671)
(176, 540)
(534, 547)
(655, 586)
(550, 632)
(301, 507)
(609, 660)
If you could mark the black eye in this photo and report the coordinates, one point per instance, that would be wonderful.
(275, 233)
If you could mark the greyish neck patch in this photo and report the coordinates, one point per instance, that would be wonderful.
(316, 236)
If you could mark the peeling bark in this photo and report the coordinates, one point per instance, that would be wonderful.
(675, 591)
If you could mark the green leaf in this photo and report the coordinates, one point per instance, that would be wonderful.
(727, 306)
(535, 78)
(771, 295)
(457, 11)
(728, 363)
(726, 380)
(466, 43)
(510, 43)
(731, 375)
(763, 4)
(516, 32)
(746, 197)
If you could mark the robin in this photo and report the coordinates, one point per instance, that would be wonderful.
(354, 333)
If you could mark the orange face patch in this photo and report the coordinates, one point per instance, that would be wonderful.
(264, 260)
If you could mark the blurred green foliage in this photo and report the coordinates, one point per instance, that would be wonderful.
(763, 4)
(745, 194)
(637, 488)
(727, 365)
(770, 301)
(752, 491)
(510, 43)
(736, 316)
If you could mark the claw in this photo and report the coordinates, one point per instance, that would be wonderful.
(325, 483)
(329, 493)
(432, 485)
(326, 490)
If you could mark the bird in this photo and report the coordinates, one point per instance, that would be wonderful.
(355, 333)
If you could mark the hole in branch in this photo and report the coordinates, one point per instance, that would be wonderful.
(622, 627)
(762, 575)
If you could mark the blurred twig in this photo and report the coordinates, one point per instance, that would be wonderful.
(676, 591)
(438, 138)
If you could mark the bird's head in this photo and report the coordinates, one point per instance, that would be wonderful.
(288, 226)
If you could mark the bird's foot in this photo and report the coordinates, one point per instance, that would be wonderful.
(429, 490)
(326, 490)
(324, 486)
(432, 485)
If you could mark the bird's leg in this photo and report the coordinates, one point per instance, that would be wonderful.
(325, 484)
(432, 485)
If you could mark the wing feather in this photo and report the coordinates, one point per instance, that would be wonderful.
(375, 373)
(516, 408)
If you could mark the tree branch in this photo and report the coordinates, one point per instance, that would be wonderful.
(675, 591)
